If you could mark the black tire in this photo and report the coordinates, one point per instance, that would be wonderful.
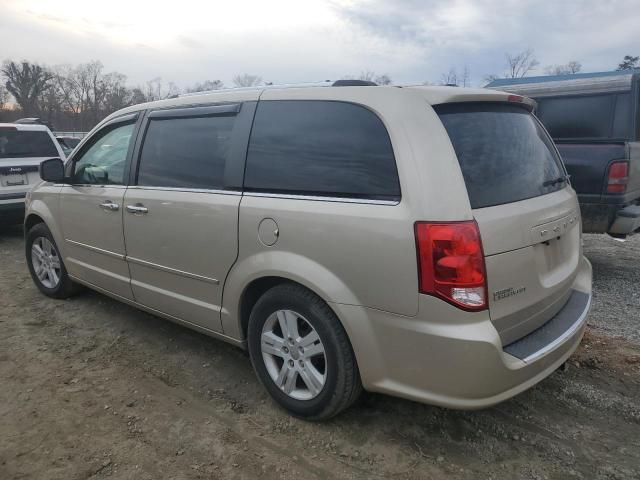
(342, 384)
(65, 287)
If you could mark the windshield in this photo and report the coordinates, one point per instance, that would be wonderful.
(25, 143)
(505, 155)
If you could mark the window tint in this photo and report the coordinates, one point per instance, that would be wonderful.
(24, 143)
(186, 152)
(590, 117)
(320, 148)
(504, 154)
(103, 163)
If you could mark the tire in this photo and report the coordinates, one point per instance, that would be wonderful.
(39, 235)
(293, 379)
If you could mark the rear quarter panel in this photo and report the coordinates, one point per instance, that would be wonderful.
(587, 164)
(355, 253)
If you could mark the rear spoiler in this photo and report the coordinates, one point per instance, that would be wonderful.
(526, 102)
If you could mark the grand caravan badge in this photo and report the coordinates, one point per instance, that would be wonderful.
(507, 292)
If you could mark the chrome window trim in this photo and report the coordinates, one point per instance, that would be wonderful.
(182, 273)
(109, 253)
(187, 190)
(317, 198)
(121, 187)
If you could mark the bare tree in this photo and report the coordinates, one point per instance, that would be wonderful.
(116, 95)
(367, 76)
(96, 88)
(383, 79)
(629, 63)
(466, 76)
(247, 80)
(155, 89)
(4, 96)
(64, 79)
(574, 67)
(137, 96)
(570, 68)
(490, 78)
(205, 86)
(520, 64)
(450, 78)
(27, 82)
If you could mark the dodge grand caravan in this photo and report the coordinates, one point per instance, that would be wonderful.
(421, 242)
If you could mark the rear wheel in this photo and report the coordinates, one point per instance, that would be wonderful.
(302, 354)
(45, 264)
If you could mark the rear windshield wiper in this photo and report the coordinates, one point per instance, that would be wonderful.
(551, 183)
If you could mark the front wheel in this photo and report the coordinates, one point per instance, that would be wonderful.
(301, 353)
(45, 264)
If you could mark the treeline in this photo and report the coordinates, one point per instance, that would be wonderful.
(77, 97)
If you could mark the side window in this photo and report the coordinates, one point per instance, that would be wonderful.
(103, 162)
(320, 148)
(587, 117)
(186, 152)
(622, 119)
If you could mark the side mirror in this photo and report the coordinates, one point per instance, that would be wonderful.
(52, 170)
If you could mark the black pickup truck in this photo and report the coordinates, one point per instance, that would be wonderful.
(594, 119)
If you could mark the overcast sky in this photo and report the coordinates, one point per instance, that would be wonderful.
(187, 41)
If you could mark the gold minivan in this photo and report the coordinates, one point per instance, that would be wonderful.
(423, 242)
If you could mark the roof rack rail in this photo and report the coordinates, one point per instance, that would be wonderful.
(324, 83)
(353, 83)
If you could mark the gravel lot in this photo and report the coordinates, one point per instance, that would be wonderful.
(91, 388)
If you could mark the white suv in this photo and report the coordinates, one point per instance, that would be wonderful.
(22, 148)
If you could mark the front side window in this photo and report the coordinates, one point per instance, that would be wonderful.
(104, 161)
(186, 152)
(320, 148)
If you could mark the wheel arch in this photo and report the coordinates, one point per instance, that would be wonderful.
(245, 284)
(31, 220)
(39, 212)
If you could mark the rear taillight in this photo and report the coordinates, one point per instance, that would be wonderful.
(618, 177)
(451, 263)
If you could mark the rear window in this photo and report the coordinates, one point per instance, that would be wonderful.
(320, 148)
(504, 154)
(593, 117)
(24, 143)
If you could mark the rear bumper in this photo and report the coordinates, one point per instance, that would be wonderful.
(627, 220)
(456, 359)
(610, 218)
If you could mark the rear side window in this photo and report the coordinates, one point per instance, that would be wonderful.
(504, 154)
(320, 148)
(587, 117)
(186, 152)
(23, 143)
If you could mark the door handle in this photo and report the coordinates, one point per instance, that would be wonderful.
(137, 209)
(109, 205)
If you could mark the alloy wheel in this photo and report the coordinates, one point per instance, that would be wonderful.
(46, 262)
(294, 355)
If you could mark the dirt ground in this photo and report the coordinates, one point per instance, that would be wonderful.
(91, 388)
